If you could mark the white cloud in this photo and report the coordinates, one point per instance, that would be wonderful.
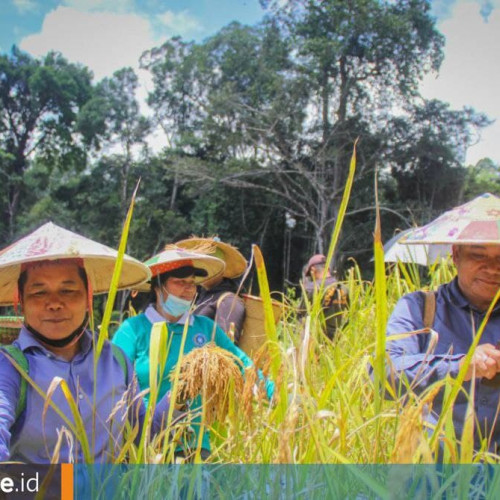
(24, 6)
(470, 71)
(443, 9)
(181, 23)
(102, 41)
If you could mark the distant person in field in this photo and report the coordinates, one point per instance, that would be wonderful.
(459, 309)
(217, 297)
(335, 295)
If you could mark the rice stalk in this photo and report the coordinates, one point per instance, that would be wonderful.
(209, 372)
(380, 290)
(78, 428)
(411, 444)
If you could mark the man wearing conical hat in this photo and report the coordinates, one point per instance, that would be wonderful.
(52, 274)
(443, 327)
(175, 274)
(218, 297)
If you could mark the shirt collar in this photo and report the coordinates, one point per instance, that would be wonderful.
(27, 341)
(458, 298)
(155, 317)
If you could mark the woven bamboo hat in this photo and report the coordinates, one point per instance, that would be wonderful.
(235, 262)
(51, 242)
(205, 267)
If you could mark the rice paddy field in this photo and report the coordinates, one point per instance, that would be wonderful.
(328, 411)
(329, 406)
(334, 402)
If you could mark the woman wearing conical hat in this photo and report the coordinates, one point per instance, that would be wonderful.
(53, 273)
(218, 297)
(175, 274)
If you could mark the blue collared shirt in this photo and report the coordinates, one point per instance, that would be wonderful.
(456, 322)
(155, 317)
(103, 393)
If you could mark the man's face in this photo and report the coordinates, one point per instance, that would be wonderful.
(54, 299)
(478, 269)
(319, 271)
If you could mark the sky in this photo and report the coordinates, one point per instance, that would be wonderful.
(106, 35)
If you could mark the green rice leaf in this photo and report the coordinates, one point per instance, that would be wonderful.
(104, 333)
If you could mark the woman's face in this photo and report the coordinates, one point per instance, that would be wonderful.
(54, 299)
(184, 288)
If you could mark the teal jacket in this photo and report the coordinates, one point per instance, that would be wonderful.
(133, 337)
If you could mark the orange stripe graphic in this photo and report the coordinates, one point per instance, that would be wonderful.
(67, 481)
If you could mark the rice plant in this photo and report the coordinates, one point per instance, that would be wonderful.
(333, 403)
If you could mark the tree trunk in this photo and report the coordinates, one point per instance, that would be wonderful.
(175, 188)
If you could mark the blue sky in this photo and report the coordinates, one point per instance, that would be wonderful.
(109, 34)
(190, 18)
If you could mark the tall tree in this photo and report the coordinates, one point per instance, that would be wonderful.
(361, 59)
(113, 117)
(39, 102)
(427, 156)
(278, 106)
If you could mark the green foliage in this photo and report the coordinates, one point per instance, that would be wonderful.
(484, 177)
(275, 108)
(427, 154)
(259, 123)
(39, 102)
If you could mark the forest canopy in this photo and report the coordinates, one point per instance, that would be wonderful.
(259, 122)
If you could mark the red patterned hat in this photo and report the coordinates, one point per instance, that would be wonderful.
(205, 266)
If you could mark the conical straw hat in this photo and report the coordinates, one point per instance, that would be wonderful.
(51, 242)
(173, 258)
(423, 254)
(235, 262)
(474, 223)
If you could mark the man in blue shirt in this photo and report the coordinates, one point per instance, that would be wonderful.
(461, 307)
(52, 273)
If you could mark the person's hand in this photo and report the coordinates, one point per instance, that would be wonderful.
(485, 360)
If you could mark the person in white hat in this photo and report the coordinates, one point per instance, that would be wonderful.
(430, 334)
(217, 297)
(175, 275)
(52, 273)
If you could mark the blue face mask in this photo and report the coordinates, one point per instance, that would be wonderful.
(175, 306)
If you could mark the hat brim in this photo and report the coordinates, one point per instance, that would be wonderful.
(474, 223)
(236, 264)
(51, 242)
(211, 266)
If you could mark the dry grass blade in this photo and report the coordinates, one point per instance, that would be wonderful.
(209, 371)
(411, 445)
(79, 427)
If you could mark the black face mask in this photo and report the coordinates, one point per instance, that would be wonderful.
(59, 342)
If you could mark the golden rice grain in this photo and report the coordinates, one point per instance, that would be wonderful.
(210, 371)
